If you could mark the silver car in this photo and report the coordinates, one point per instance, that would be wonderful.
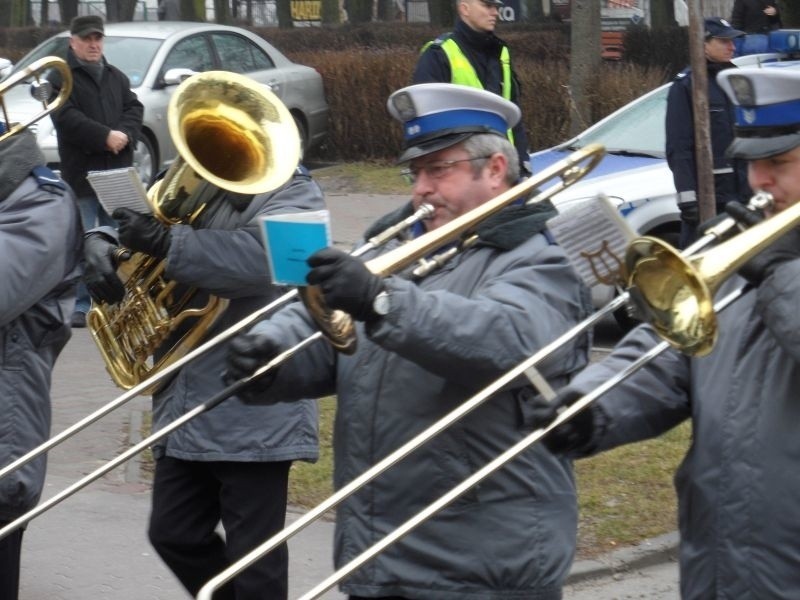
(157, 56)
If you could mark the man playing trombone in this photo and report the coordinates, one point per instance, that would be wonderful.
(424, 346)
(40, 245)
(737, 486)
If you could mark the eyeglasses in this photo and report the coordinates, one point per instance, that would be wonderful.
(436, 169)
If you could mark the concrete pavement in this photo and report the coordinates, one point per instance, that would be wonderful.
(93, 545)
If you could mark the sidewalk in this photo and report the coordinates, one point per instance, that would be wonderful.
(93, 545)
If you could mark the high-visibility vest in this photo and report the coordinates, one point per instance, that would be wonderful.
(463, 73)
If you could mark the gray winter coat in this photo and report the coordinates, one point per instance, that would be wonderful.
(737, 487)
(444, 339)
(225, 256)
(40, 246)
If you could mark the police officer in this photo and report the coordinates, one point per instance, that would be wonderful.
(40, 245)
(737, 498)
(730, 177)
(473, 55)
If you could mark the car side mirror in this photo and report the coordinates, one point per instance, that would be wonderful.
(177, 76)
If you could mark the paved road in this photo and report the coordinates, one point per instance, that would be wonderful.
(93, 544)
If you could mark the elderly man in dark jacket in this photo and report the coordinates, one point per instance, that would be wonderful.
(40, 246)
(424, 347)
(98, 127)
(737, 489)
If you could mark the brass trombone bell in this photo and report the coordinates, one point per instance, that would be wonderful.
(675, 294)
(40, 91)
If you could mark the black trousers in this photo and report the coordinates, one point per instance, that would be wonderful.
(249, 499)
(10, 549)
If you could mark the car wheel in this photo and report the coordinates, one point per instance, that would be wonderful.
(303, 133)
(144, 160)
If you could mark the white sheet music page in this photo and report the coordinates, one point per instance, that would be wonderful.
(119, 188)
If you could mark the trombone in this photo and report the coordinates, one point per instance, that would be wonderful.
(567, 171)
(525, 368)
(41, 90)
(376, 241)
(680, 310)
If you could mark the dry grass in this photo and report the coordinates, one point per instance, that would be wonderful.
(624, 495)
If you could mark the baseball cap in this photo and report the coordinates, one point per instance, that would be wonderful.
(716, 27)
(436, 116)
(84, 25)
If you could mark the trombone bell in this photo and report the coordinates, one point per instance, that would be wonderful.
(676, 294)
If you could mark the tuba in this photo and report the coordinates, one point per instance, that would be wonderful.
(233, 133)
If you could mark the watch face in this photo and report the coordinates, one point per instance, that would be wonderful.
(381, 304)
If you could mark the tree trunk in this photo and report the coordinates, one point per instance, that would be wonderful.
(704, 160)
(330, 12)
(535, 11)
(283, 8)
(69, 10)
(584, 60)
(358, 11)
(662, 14)
(442, 13)
(44, 13)
(385, 10)
(222, 12)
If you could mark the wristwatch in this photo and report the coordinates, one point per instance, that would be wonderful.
(382, 304)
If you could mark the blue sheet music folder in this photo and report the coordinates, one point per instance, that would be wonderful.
(289, 239)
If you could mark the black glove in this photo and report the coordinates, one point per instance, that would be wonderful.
(142, 233)
(246, 354)
(762, 265)
(570, 435)
(100, 269)
(345, 282)
(690, 212)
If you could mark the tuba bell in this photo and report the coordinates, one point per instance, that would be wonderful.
(233, 133)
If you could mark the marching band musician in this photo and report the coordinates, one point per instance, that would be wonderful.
(737, 488)
(230, 465)
(424, 347)
(40, 245)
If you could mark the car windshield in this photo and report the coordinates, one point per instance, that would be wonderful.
(637, 130)
(131, 55)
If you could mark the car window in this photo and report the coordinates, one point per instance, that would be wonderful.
(192, 53)
(239, 54)
(52, 47)
(131, 55)
(638, 128)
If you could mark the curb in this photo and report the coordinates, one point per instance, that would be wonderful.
(663, 548)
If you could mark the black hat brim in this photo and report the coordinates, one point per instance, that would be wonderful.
(756, 148)
(433, 145)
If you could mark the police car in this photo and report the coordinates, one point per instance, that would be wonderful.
(634, 174)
